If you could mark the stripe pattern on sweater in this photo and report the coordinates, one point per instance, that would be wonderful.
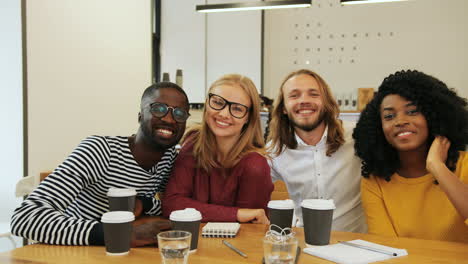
(70, 201)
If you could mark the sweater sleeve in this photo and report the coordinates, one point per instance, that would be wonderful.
(41, 217)
(462, 171)
(255, 184)
(378, 220)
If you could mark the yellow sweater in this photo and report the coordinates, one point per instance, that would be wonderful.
(414, 207)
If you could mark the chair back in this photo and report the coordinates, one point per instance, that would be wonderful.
(280, 192)
(43, 175)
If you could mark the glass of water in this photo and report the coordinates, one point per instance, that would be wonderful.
(174, 246)
(280, 248)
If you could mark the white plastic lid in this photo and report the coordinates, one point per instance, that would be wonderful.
(186, 215)
(281, 204)
(117, 217)
(121, 192)
(318, 204)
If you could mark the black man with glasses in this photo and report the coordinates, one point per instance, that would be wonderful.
(67, 206)
(221, 169)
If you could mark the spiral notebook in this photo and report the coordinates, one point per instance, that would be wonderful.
(226, 230)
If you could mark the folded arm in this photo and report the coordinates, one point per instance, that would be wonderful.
(41, 217)
(255, 187)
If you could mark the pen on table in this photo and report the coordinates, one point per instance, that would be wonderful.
(368, 248)
(234, 248)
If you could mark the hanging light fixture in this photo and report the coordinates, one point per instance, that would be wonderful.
(358, 2)
(229, 7)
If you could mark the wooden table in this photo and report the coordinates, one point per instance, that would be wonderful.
(249, 240)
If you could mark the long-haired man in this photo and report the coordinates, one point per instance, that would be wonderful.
(312, 150)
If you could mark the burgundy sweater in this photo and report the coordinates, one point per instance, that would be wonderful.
(246, 185)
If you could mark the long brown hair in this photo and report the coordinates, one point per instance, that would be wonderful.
(282, 131)
(250, 140)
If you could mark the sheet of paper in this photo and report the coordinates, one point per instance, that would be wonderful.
(344, 254)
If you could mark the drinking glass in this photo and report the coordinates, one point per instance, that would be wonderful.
(174, 246)
(279, 248)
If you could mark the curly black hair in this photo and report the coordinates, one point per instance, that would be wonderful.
(446, 114)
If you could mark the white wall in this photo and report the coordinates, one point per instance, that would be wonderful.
(428, 35)
(88, 64)
(11, 110)
(234, 44)
(183, 45)
(207, 46)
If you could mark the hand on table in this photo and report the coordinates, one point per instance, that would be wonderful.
(145, 230)
(256, 216)
(138, 211)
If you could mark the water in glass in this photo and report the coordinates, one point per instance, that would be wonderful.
(175, 253)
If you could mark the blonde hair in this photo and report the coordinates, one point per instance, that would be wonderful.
(282, 131)
(205, 151)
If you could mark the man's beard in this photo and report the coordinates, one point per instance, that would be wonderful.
(307, 127)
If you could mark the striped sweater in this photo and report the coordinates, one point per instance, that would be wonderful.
(67, 206)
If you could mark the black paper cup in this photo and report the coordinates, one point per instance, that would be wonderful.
(281, 214)
(121, 199)
(117, 231)
(317, 216)
(187, 220)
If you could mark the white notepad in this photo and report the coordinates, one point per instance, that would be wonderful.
(220, 229)
(344, 254)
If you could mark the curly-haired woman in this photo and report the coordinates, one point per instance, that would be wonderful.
(412, 138)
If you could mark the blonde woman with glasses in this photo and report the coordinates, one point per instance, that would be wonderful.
(221, 169)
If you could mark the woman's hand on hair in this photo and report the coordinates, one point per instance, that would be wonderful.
(437, 154)
(256, 216)
(455, 189)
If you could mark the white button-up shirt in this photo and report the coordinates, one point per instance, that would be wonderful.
(310, 174)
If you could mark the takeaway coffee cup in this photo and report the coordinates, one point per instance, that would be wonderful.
(117, 231)
(281, 213)
(317, 216)
(187, 220)
(121, 199)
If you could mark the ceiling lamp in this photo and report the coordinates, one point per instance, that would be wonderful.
(253, 6)
(358, 2)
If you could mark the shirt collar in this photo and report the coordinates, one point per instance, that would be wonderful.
(322, 142)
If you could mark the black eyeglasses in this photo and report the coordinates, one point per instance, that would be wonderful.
(160, 110)
(219, 103)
